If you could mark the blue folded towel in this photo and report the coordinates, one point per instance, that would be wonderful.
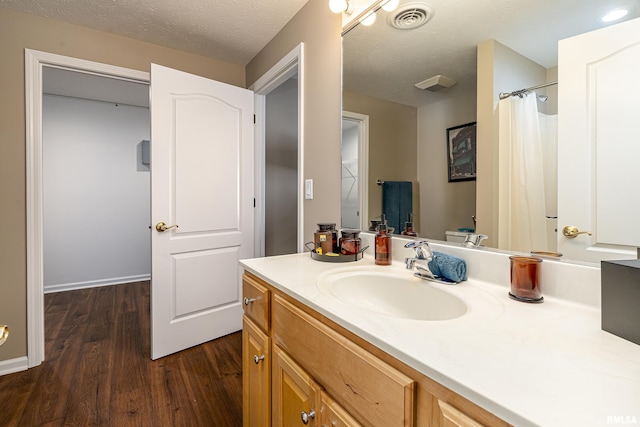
(448, 266)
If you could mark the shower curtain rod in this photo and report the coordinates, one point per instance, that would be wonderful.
(504, 95)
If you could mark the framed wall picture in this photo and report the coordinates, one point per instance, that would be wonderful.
(461, 152)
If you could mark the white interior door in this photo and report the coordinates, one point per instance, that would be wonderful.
(201, 182)
(598, 149)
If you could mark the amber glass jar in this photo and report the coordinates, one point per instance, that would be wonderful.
(350, 242)
(325, 238)
(525, 279)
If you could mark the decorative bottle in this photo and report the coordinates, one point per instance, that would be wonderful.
(383, 244)
(408, 227)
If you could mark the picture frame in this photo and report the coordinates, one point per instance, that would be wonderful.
(461, 152)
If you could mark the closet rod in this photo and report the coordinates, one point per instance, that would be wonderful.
(504, 95)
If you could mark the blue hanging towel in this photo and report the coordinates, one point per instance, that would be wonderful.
(397, 201)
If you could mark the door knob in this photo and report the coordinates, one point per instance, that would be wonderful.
(161, 226)
(570, 232)
(257, 358)
(4, 333)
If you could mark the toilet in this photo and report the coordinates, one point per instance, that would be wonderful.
(456, 236)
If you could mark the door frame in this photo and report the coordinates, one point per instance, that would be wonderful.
(292, 63)
(35, 61)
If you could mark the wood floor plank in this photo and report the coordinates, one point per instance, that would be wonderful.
(48, 401)
(98, 370)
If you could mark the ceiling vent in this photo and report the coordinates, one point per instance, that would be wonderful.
(436, 83)
(410, 15)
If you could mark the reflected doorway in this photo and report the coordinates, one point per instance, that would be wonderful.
(355, 165)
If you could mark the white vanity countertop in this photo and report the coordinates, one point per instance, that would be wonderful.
(546, 364)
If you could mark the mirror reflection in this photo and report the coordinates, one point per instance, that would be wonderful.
(422, 69)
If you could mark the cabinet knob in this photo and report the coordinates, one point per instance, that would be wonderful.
(306, 417)
(257, 358)
(247, 301)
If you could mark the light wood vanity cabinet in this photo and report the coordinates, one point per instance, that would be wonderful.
(326, 375)
(256, 355)
(334, 415)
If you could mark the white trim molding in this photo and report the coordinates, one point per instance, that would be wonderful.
(34, 63)
(95, 283)
(11, 366)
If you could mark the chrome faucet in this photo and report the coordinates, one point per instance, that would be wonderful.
(474, 240)
(420, 262)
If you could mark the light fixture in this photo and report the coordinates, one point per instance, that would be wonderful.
(436, 83)
(368, 20)
(614, 15)
(341, 6)
(390, 5)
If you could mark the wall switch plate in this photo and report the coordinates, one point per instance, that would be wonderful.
(308, 189)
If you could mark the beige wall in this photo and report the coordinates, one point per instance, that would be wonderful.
(17, 32)
(500, 69)
(445, 205)
(393, 135)
(319, 29)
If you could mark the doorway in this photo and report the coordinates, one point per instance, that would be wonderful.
(354, 152)
(35, 62)
(96, 181)
(281, 169)
(279, 156)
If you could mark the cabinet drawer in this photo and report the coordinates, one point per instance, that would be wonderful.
(370, 389)
(256, 301)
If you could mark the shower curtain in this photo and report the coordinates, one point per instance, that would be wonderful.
(521, 205)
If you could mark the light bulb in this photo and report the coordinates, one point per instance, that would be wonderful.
(368, 20)
(338, 6)
(614, 15)
(390, 5)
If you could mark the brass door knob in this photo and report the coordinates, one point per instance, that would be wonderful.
(4, 333)
(161, 226)
(570, 232)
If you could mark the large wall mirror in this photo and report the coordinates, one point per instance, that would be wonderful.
(408, 137)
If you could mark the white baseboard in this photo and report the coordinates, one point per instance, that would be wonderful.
(95, 283)
(13, 365)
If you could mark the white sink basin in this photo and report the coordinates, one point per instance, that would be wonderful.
(392, 294)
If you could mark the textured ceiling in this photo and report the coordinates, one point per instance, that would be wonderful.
(230, 30)
(379, 60)
(385, 62)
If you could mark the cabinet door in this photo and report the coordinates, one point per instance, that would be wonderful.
(294, 393)
(448, 416)
(334, 415)
(255, 376)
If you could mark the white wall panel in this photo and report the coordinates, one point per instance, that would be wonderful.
(96, 193)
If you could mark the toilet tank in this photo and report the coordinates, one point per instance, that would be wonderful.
(456, 236)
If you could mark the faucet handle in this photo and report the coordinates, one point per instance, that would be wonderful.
(416, 243)
(423, 251)
(474, 239)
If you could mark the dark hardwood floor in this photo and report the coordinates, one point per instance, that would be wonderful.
(98, 370)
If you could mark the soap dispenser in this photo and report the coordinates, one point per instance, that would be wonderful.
(408, 227)
(383, 244)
